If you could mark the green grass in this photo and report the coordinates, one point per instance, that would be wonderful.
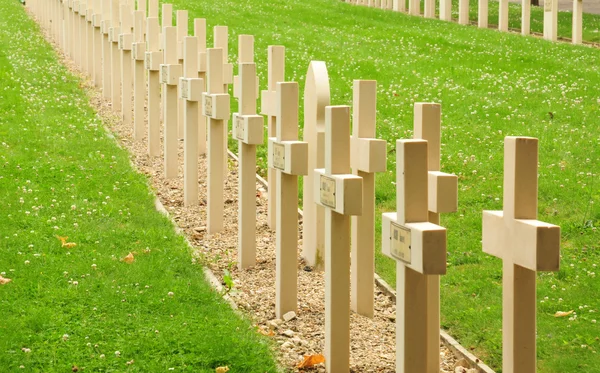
(62, 174)
(490, 85)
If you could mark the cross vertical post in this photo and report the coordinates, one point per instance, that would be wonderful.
(463, 12)
(525, 246)
(215, 106)
(368, 156)
(503, 15)
(113, 36)
(89, 35)
(446, 10)
(138, 54)
(182, 33)
(289, 158)
(414, 7)
(152, 64)
(550, 19)
(398, 5)
(525, 17)
(76, 46)
(125, 45)
(83, 36)
(577, 21)
(221, 40)
(106, 61)
(482, 14)
(170, 72)
(419, 248)
(200, 34)
(276, 74)
(97, 24)
(190, 91)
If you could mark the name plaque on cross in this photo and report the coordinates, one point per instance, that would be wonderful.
(400, 245)
(278, 156)
(327, 191)
(238, 130)
(207, 108)
(548, 5)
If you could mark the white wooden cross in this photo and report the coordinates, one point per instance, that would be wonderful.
(115, 64)
(125, 45)
(106, 47)
(550, 19)
(577, 21)
(248, 130)
(200, 34)
(245, 55)
(419, 248)
(221, 40)
(138, 54)
(316, 98)
(442, 198)
(154, 58)
(170, 72)
(97, 43)
(368, 157)
(215, 106)
(525, 246)
(190, 90)
(289, 158)
(340, 194)
(182, 33)
(268, 105)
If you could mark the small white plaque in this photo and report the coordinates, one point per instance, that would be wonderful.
(208, 106)
(238, 131)
(400, 242)
(164, 74)
(327, 189)
(279, 156)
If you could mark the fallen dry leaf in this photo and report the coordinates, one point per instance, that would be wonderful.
(310, 361)
(268, 333)
(562, 313)
(63, 240)
(129, 258)
(224, 369)
(69, 245)
(4, 280)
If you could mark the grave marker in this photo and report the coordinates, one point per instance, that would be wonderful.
(316, 98)
(221, 40)
(340, 194)
(525, 17)
(82, 36)
(152, 63)
(138, 54)
(482, 14)
(398, 5)
(106, 47)
(503, 15)
(368, 156)
(170, 72)
(113, 37)
(89, 35)
(182, 33)
(525, 246)
(190, 90)
(200, 33)
(442, 198)
(215, 105)
(550, 19)
(414, 7)
(125, 45)
(289, 157)
(446, 10)
(97, 23)
(463, 12)
(577, 21)
(276, 74)
(429, 9)
(419, 248)
(248, 130)
(76, 45)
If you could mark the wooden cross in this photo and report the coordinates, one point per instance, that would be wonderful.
(525, 246)
(170, 72)
(165, 21)
(221, 40)
(152, 63)
(138, 54)
(482, 14)
(248, 130)
(97, 43)
(125, 45)
(577, 21)
(190, 90)
(442, 198)
(113, 38)
(446, 10)
(463, 12)
(268, 105)
(316, 98)
(200, 33)
(419, 248)
(245, 55)
(215, 106)
(182, 33)
(525, 17)
(550, 19)
(340, 194)
(106, 64)
(289, 157)
(368, 157)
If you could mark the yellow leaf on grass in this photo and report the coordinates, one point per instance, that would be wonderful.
(224, 369)
(129, 258)
(69, 245)
(311, 360)
(63, 240)
(4, 280)
(562, 313)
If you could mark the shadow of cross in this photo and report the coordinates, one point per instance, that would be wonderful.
(419, 248)
(525, 246)
(340, 194)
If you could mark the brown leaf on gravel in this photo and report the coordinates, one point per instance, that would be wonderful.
(268, 333)
(562, 313)
(310, 361)
(4, 280)
(129, 258)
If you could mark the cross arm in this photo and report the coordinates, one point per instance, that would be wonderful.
(291, 157)
(341, 192)
(443, 192)
(369, 155)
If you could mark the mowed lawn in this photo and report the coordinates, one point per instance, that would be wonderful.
(80, 307)
(490, 85)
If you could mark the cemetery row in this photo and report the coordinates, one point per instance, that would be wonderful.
(129, 54)
(445, 14)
